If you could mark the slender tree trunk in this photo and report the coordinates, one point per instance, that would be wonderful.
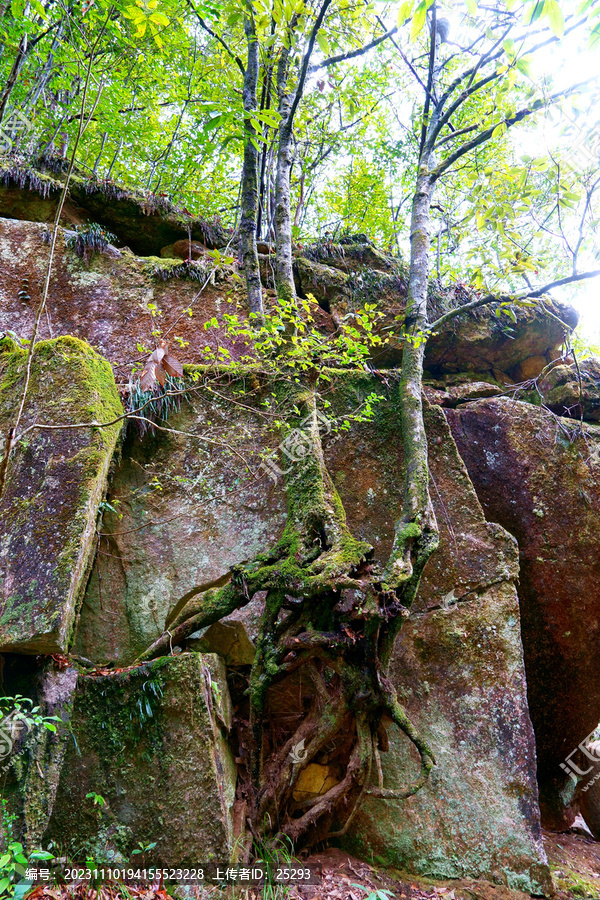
(416, 534)
(46, 72)
(114, 159)
(284, 275)
(265, 103)
(249, 192)
(100, 152)
(14, 74)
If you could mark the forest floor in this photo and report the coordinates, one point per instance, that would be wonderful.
(574, 861)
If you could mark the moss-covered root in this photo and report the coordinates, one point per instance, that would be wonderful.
(215, 604)
(400, 718)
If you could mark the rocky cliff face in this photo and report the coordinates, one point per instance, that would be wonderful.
(107, 537)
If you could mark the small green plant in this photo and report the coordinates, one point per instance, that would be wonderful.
(13, 863)
(151, 691)
(13, 869)
(155, 405)
(377, 894)
(89, 239)
(97, 799)
(18, 716)
(274, 853)
(143, 848)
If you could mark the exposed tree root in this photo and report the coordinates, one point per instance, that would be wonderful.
(330, 614)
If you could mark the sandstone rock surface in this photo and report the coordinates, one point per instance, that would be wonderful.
(563, 393)
(55, 482)
(116, 303)
(539, 477)
(460, 658)
(152, 742)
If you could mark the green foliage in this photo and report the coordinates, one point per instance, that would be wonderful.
(12, 868)
(97, 799)
(288, 341)
(153, 407)
(89, 239)
(143, 848)
(14, 861)
(377, 894)
(18, 715)
(151, 692)
(169, 121)
(274, 853)
(584, 348)
(359, 195)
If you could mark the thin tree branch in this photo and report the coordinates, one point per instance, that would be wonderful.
(509, 122)
(218, 38)
(307, 55)
(352, 54)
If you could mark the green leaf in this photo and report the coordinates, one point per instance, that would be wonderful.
(214, 122)
(524, 65)
(39, 9)
(534, 11)
(499, 130)
(404, 12)
(323, 43)
(555, 17)
(471, 7)
(418, 20)
(159, 18)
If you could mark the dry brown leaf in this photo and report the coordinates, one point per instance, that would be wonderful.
(172, 366)
(159, 364)
(148, 376)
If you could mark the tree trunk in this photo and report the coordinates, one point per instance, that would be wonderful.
(14, 74)
(46, 72)
(249, 192)
(284, 274)
(416, 534)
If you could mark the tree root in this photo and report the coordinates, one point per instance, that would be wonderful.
(331, 615)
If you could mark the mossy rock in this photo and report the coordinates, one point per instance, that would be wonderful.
(56, 480)
(152, 742)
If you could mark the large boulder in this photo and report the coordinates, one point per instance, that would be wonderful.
(113, 302)
(56, 479)
(458, 668)
(480, 342)
(185, 510)
(143, 221)
(539, 476)
(152, 743)
(118, 302)
(573, 390)
(590, 791)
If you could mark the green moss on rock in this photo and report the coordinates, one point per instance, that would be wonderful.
(56, 480)
(152, 741)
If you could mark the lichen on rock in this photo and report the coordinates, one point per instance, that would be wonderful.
(56, 480)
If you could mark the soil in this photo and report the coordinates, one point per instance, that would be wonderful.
(574, 859)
